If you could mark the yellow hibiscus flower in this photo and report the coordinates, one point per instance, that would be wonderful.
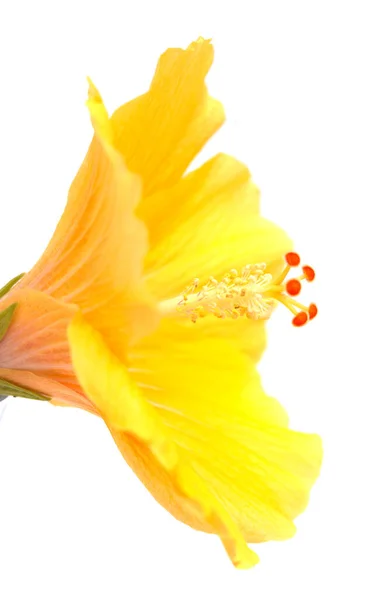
(148, 309)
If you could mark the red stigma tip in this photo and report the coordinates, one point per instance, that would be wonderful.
(300, 319)
(293, 287)
(312, 311)
(292, 259)
(309, 273)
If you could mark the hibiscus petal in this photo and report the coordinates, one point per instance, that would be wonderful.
(36, 339)
(236, 438)
(95, 257)
(34, 353)
(160, 132)
(204, 368)
(59, 394)
(211, 226)
(262, 474)
(107, 383)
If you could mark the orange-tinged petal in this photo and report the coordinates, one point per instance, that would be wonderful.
(213, 225)
(34, 353)
(36, 339)
(160, 132)
(108, 384)
(95, 257)
(60, 394)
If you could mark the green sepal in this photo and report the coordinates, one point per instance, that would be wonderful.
(5, 289)
(6, 387)
(6, 318)
(10, 389)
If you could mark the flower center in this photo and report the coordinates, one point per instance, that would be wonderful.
(252, 293)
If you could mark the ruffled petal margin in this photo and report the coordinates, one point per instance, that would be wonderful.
(208, 395)
(107, 383)
(160, 132)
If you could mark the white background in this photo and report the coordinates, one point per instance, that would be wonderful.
(302, 83)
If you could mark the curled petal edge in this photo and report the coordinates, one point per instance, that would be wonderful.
(106, 382)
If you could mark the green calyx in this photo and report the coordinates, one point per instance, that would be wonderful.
(10, 389)
(6, 316)
(5, 289)
(6, 387)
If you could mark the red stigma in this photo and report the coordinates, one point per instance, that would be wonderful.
(300, 319)
(309, 273)
(286, 291)
(312, 311)
(292, 259)
(293, 287)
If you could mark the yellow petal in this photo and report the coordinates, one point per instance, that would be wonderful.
(218, 456)
(95, 257)
(262, 474)
(106, 382)
(201, 368)
(132, 419)
(211, 225)
(236, 438)
(160, 132)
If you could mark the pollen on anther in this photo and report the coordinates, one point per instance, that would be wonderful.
(293, 287)
(309, 273)
(312, 311)
(300, 319)
(292, 259)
